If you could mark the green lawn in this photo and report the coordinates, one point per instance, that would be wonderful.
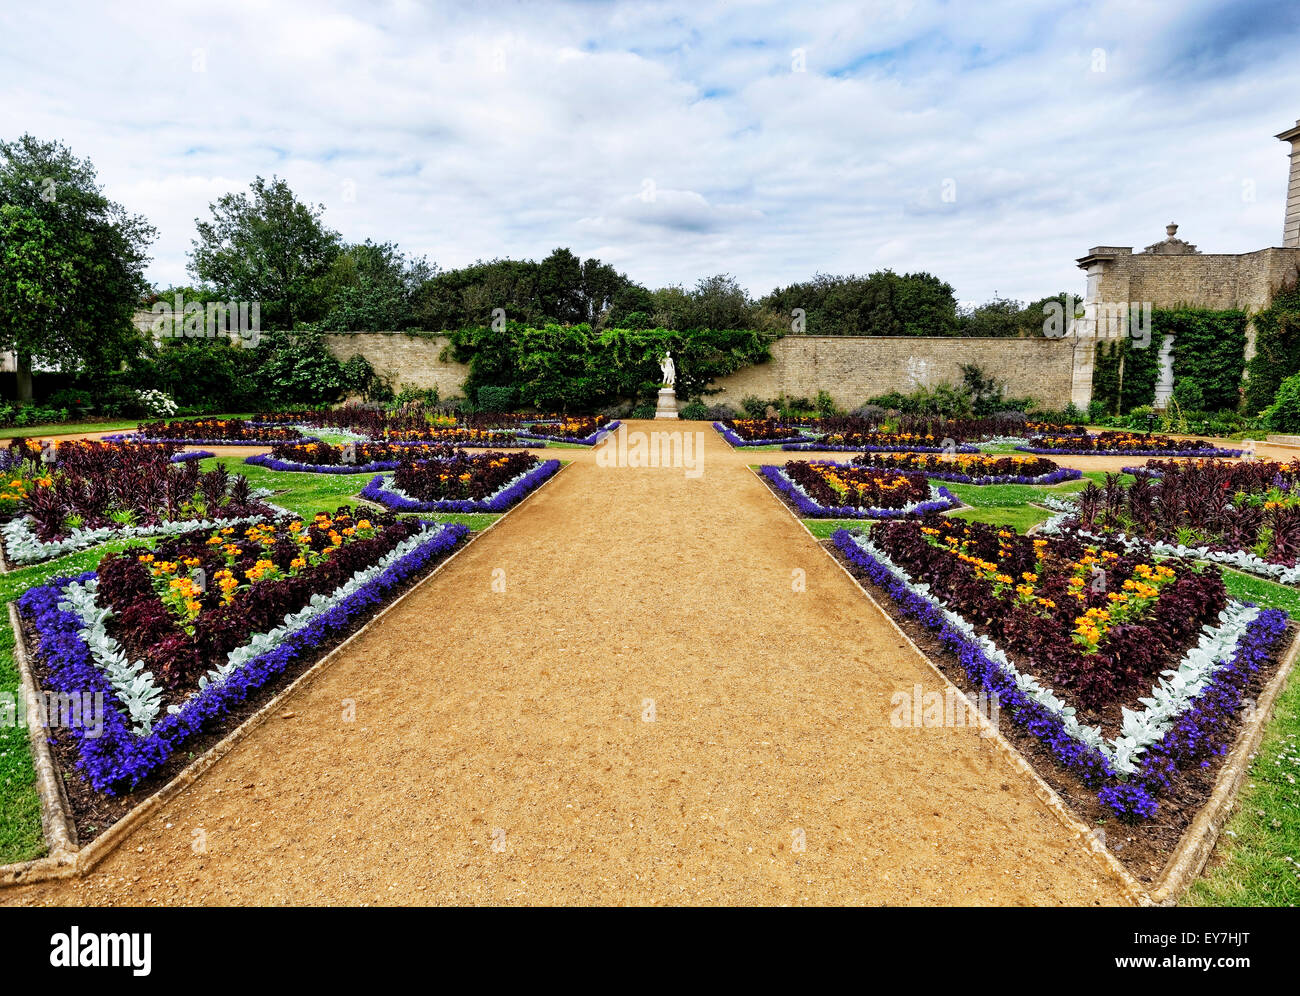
(110, 425)
(1257, 859)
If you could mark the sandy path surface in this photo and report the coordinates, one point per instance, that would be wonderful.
(501, 752)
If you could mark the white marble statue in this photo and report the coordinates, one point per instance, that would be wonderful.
(669, 369)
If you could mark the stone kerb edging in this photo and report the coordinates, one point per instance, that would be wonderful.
(65, 858)
(1196, 843)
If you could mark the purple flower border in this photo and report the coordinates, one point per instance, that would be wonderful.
(1212, 452)
(825, 448)
(518, 444)
(192, 455)
(273, 463)
(590, 440)
(740, 444)
(118, 759)
(135, 437)
(377, 493)
(1194, 739)
(809, 509)
(1051, 477)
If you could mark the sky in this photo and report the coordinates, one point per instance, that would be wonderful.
(990, 143)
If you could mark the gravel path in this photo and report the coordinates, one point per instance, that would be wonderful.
(501, 752)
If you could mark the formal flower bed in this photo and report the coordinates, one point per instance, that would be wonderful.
(1127, 670)
(741, 432)
(353, 458)
(1243, 514)
(176, 637)
(489, 482)
(211, 432)
(473, 438)
(841, 491)
(976, 469)
(95, 491)
(584, 431)
(1123, 443)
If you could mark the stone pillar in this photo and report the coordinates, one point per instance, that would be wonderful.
(1165, 383)
(1082, 336)
(1291, 228)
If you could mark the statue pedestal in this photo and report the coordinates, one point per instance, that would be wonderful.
(667, 406)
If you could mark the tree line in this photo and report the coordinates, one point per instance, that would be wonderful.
(72, 266)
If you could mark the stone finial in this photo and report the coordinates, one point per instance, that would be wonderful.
(1171, 245)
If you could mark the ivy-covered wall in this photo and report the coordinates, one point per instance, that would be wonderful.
(1277, 350)
(1209, 356)
(1141, 370)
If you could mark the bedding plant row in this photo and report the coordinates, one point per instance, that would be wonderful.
(173, 638)
(65, 497)
(1123, 443)
(824, 490)
(1245, 515)
(419, 423)
(1128, 668)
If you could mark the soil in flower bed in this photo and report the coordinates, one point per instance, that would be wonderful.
(1143, 848)
(95, 812)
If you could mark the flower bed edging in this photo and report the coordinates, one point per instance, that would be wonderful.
(135, 437)
(1195, 736)
(590, 440)
(945, 501)
(1148, 453)
(825, 448)
(741, 444)
(119, 758)
(272, 463)
(376, 492)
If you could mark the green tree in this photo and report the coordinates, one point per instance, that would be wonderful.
(372, 287)
(71, 263)
(267, 246)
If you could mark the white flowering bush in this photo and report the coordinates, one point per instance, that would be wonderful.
(156, 404)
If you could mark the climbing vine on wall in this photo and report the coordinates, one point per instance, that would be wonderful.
(1277, 350)
(1209, 353)
(1141, 369)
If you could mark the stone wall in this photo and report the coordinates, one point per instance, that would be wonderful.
(404, 359)
(855, 368)
(851, 368)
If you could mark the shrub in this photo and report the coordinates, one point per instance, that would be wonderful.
(1283, 415)
(495, 398)
(696, 411)
(643, 411)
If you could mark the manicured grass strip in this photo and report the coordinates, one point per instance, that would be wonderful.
(1257, 859)
(20, 829)
(304, 494)
(826, 528)
(1018, 517)
(1267, 594)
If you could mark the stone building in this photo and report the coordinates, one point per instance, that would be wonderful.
(1172, 273)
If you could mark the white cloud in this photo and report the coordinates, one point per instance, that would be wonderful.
(465, 132)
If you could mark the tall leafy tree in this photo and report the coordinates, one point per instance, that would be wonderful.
(372, 288)
(71, 263)
(267, 246)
